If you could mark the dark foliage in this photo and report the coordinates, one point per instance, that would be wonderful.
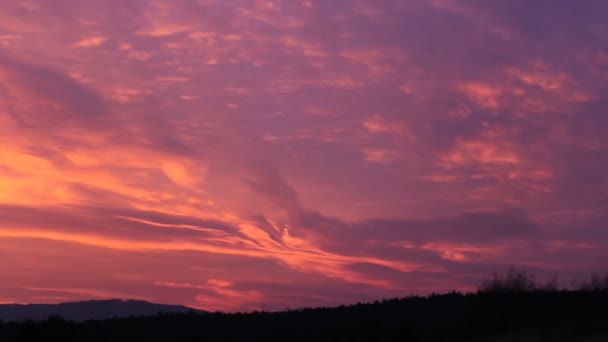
(596, 283)
(515, 281)
(485, 316)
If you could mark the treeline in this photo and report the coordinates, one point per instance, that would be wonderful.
(506, 308)
(522, 280)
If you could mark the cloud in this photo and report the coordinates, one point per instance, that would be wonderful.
(38, 96)
(379, 155)
(269, 183)
(91, 42)
(377, 124)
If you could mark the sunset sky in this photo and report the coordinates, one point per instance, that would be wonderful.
(244, 154)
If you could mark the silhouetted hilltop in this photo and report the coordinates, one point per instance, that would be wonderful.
(539, 315)
(87, 310)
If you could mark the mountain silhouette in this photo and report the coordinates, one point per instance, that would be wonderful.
(88, 310)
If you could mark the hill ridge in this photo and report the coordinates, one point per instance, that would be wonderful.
(96, 309)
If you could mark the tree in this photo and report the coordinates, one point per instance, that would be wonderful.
(514, 281)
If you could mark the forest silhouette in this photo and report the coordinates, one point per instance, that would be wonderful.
(510, 307)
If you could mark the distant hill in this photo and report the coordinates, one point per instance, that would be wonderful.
(87, 310)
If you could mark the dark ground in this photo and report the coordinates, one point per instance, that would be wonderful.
(498, 316)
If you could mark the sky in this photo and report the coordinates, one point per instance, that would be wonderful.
(254, 154)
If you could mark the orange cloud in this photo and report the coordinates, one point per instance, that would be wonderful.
(91, 41)
(379, 155)
(485, 95)
(377, 124)
(479, 152)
